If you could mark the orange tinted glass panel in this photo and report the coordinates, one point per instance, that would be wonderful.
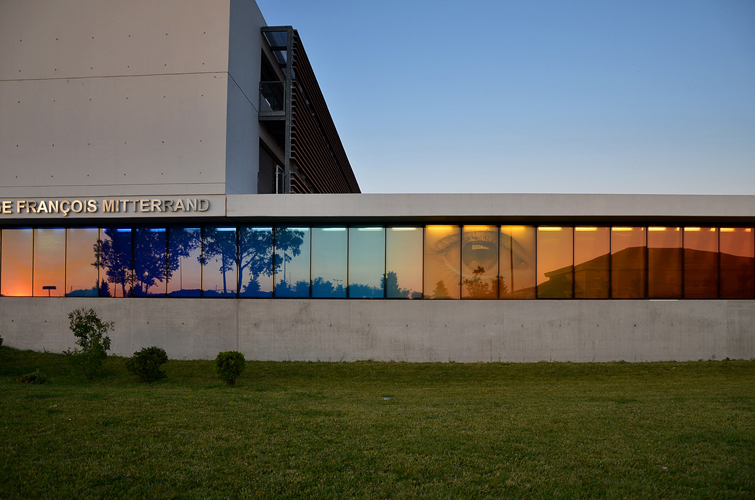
(737, 268)
(518, 262)
(479, 262)
(403, 259)
(700, 262)
(592, 257)
(442, 262)
(664, 262)
(17, 252)
(555, 259)
(81, 271)
(628, 262)
(49, 262)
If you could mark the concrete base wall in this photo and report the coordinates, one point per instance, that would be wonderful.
(415, 330)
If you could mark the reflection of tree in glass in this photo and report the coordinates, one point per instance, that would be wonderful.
(183, 243)
(288, 244)
(479, 289)
(150, 263)
(114, 256)
(221, 245)
(256, 258)
(441, 292)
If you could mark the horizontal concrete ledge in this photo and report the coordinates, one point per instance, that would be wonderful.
(493, 206)
(412, 330)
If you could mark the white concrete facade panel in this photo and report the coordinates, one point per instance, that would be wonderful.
(413, 330)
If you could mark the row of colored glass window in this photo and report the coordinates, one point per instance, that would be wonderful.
(431, 262)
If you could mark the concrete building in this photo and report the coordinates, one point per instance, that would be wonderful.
(160, 162)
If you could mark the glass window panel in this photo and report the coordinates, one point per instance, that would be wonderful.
(404, 262)
(292, 261)
(219, 257)
(592, 261)
(49, 262)
(255, 262)
(16, 262)
(442, 262)
(184, 262)
(555, 262)
(329, 257)
(518, 259)
(81, 262)
(700, 262)
(737, 263)
(628, 262)
(479, 262)
(116, 273)
(150, 251)
(664, 262)
(366, 262)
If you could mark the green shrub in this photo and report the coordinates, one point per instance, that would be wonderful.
(91, 336)
(146, 363)
(229, 365)
(35, 377)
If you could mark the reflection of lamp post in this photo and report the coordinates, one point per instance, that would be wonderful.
(48, 288)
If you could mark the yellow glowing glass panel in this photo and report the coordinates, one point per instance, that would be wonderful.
(665, 263)
(442, 262)
(628, 262)
(81, 260)
(700, 263)
(737, 279)
(517, 262)
(16, 262)
(49, 262)
(555, 262)
(592, 257)
(479, 262)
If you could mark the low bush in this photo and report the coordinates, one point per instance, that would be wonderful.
(35, 377)
(229, 365)
(146, 364)
(91, 335)
(1, 341)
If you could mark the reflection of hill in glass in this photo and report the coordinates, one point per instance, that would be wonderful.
(91, 292)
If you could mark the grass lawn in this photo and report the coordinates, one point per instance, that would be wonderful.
(380, 430)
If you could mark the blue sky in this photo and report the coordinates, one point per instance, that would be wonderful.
(537, 96)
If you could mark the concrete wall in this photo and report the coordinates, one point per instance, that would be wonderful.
(120, 98)
(347, 330)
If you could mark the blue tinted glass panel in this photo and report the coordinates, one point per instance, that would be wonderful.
(116, 273)
(366, 262)
(219, 275)
(81, 262)
(17, 253)
(255, 262)
(184, 262)
(329, 246)
(292, 261)
(403, 257)
(150, 262)
(49, 262)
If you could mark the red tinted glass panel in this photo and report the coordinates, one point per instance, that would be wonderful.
(592, 257)
(628, 262)
(664, 262)
(737, 268)
(700, 262)
(555, 262)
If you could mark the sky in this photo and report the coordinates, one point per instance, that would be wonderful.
(537, 96)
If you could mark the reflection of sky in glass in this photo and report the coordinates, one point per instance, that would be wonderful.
(329, 246)
(517, 264)
(664, 262)
(81, 274)
(256, 262)
(149, 261)
(49, 261)
(16, 262)
(185, 270)
(366, 262)
(555, 257)
(219, 273)
(592, 249)
(292, 261)
(737, 254)
(442, 262)
(404, 262)
(479, 262)
(628, 262)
